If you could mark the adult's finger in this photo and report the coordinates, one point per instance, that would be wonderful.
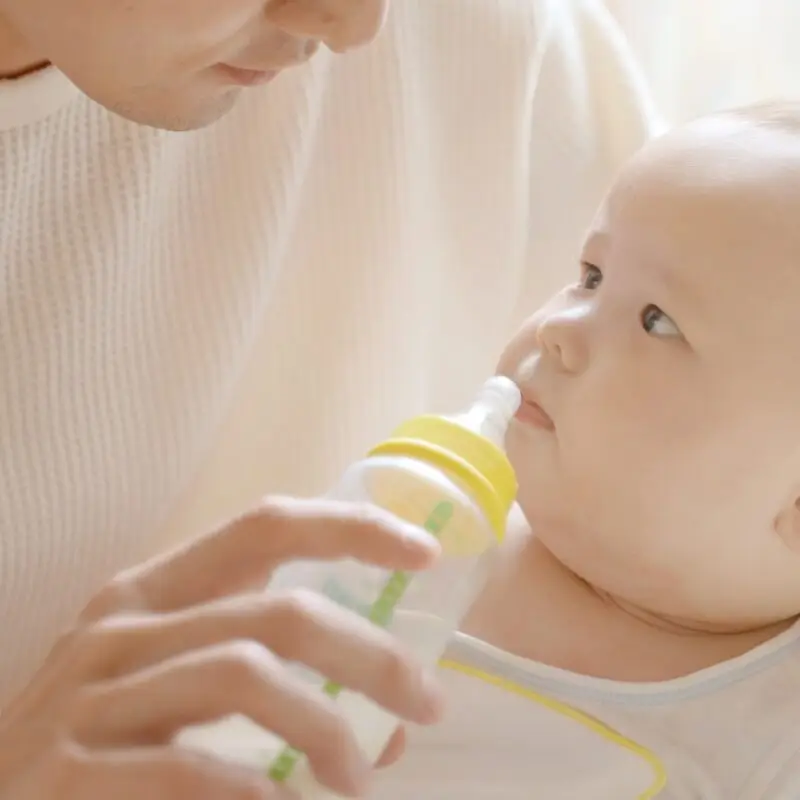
(245, 552)
(151, 706)
(158, 773)
(297, 626)
(394, 750)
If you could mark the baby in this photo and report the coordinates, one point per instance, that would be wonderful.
(638, 638)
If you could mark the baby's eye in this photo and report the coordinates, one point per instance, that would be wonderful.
(655, 321)
(591, 277)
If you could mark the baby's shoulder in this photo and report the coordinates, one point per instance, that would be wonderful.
(731, 730)
(728, 731)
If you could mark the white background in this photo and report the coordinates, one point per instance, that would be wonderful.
(701, 55)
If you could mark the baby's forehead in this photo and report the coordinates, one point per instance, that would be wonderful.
(719, 194)
(718, 159)
(715, 207)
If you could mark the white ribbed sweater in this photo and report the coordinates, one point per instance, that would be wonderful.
(189, 321)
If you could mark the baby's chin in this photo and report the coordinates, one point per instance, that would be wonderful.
(575, 547)
(583, 549)
(607, 553)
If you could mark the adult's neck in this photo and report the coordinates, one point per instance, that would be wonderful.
(17, 56)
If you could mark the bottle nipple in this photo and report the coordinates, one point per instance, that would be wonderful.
(493, 409)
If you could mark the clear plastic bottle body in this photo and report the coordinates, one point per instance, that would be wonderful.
(425, 496)
(447, 475)
(422, 610)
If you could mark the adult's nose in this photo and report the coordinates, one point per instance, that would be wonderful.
(340, 24)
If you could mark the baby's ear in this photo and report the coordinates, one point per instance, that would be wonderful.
(787, 525)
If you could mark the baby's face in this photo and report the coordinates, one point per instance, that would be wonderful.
(671, 372)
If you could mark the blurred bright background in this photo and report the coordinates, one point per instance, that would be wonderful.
(702, 55)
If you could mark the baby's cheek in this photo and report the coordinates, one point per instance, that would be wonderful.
(648, 413)
(517, 353)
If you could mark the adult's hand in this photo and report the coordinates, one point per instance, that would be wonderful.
(189, 638)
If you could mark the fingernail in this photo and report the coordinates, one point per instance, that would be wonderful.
(432, 699)
(418, 535)
(359, 771)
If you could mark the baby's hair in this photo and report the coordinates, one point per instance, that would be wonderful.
(783, 114)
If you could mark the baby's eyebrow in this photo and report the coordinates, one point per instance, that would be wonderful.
(595, 245)
(686, 294)
(679, 284)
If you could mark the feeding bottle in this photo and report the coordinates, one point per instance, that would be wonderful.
(451, 477)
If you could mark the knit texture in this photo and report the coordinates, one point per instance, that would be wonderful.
(191, 320)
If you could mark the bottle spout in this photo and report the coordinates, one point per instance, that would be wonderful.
(492, 410)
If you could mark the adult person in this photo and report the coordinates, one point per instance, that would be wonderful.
(212, 290)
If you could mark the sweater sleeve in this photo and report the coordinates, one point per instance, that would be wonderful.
(591, 111)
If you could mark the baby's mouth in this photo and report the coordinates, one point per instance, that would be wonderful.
(531, 413)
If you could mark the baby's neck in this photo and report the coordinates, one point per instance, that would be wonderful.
(534, 607)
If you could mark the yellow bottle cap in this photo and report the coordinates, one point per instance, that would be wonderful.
(479, 465)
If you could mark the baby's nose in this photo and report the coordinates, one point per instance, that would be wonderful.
(562, 336)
